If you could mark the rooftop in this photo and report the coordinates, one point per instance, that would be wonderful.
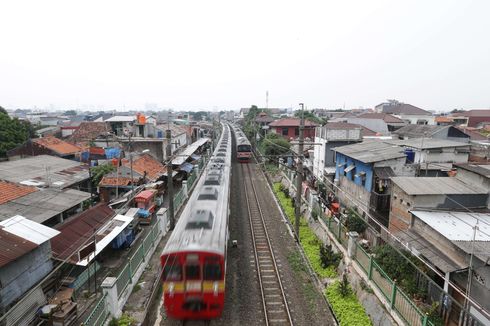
(348, 126)
(56, 145)
(404, 109)
(473, 113)
(42, 205)
(88, 131)
(436, 186)
(10, 191)
(427, 143)
(371, 151)
(482, 169)
(188, 151)
(388, 118)
(458, 227)
(147, 163)
(291, 122)
(121, 118)
(33, 170)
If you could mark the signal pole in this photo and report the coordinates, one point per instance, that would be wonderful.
(299, 172)
(170, 180)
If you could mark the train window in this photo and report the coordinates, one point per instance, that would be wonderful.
(172, 271)
(212, 180)
(192, 272)
(221, 154)
(208, 193)
(201, 219)
(212, 270)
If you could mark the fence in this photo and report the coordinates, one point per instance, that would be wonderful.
(83, 278)
(178, 199)
(99, 314)
(191, 179)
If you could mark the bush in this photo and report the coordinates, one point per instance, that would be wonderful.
(344, 287)
(347, 309)
(355, 223)
(328, 257)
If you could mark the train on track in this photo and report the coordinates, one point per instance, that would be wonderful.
(194, 258)
(243, 147)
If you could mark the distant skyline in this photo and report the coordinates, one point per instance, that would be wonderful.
(221, 55)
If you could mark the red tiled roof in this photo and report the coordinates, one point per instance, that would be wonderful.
(147, 163)
(114, 181)
(88, 131)
(291, 122)
(57, 145)
(388, 118)
(13, 247)
(443, 119)
(78, 230)
(10, 191)
(473, 113)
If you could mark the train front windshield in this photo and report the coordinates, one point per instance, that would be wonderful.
(244, 148)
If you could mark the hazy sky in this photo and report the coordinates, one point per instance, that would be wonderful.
(434, 54)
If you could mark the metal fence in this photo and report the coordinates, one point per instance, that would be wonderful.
(98, 316)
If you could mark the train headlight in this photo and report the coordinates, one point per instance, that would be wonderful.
(215, 288)
(171, 288)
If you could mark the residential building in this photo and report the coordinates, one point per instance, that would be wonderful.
(289, 128)
(475, 174)
(432, 156)
(473, 118)
(419, 193)
(382, 123)
(363, 172)
(448, 242)
(117, 183)
(48, 145)
(88, 132)
(406, 112)
(25, 259)
(263, 120)
(48, 131)
(327, 137)
(432, 131)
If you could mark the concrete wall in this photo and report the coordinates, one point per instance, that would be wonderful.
(400, 217)
(19, 276)
(412, 119)
(446, 155)
(354, 191)
(345, 162)
(472, 178)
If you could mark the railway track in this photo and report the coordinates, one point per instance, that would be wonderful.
(275, 305)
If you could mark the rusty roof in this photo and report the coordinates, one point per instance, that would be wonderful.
(78, 230)
(147, 163)
(88, 131)
(10, 191)
(13, 247)
(115, 181)
(57, 145)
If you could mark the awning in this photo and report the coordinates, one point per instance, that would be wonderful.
(195, 157)
(187, 167)
(188, 151)
(384, 172)
(349, 168)
(108, 233)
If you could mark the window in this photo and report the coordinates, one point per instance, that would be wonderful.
(201, 219)
(172, 270)
(285, 131)
(212, 270)
(192, 272)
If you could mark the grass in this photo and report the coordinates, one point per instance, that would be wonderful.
(348, 309)
(309, 240)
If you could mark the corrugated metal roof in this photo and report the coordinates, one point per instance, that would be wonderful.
(13, 247)
(121, 118)
(436, 186)
(482, 169)
(427, 143)
(78, 229)
(27, 229)
(371, 151)
(182, 157)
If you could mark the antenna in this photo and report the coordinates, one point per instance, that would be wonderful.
(266, 99)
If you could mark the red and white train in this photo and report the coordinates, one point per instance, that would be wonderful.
(243, 147)
(194, 258)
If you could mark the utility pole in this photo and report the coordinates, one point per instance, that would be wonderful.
(299, 180)
(170, 181)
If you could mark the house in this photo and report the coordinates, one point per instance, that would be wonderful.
(327, 137)
(432, 156)
(69, 127)
(116, 183)
(445, 193)
(48, 145)
(382, 123)
(48, 206)
(263, 120)
(88, 132)
(48, 131)
(432, 131)
(46, 171)
(289, 128)
(473, 118)
(406, 112)
(476, 174)
(448, 241)
(25, 259)
(121, 125)
(363, 171)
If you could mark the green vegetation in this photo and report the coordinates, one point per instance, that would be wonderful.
(348, 309)
(355, 222)
(13, 132)
(274, 144)
(328, 257)
(99, 171)
(124, 320)
(309, 241)
(308, 115)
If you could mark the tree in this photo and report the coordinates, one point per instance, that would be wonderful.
(99, 171)
(308, 115)
(13, 132)
(70, 112)
(275, 145)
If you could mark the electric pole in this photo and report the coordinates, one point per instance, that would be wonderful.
(299, 172)
(170, 181)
